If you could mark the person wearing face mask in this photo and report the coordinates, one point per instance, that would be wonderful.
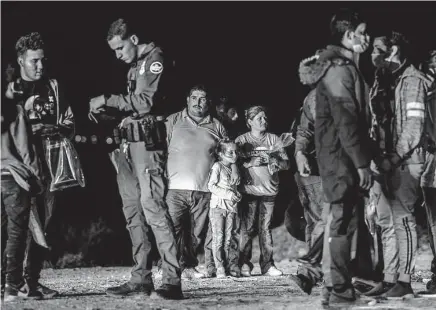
(342, 147)
(259, 188)
(48, 114)
(407, 164)
(381, 106)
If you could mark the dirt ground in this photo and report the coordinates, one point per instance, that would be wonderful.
(83, 288)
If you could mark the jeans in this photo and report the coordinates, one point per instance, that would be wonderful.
(256, 214)
(224, 246)
(15, 207)
(189, 213)
(44, 203)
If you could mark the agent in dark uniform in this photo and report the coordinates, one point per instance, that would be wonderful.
(140, 164)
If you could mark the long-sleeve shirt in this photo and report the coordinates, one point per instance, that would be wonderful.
(220, 187)
(143, 81)
(257, 180)
(18, 156)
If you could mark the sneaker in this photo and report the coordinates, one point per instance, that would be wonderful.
(380, 289)
(46, 292)
(158, 274)
(129, 289)
(431, 285)
(430, 288)
(13, 292)
(191, 273)
(167, 291)
(210, 274)
(302, 282)
(235, 273)
(400, 290)
(246, 271)
(273, 272)
(220, 273)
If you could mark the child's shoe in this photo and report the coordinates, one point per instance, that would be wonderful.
(246, 271)
(220, 273)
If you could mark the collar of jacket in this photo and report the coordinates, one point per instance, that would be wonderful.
(148, 48)
(343, 52)
(397, 73)
(410, 70)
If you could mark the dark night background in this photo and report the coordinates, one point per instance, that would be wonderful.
(249, 51)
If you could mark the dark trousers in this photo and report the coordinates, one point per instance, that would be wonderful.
(189, 213)
(44, 203)
(142, 187)
(340, 227)
(15, 208)
(256, 214)
(315, 212)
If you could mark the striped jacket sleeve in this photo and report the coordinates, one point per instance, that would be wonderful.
(412, 94)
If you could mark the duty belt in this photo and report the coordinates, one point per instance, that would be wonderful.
(149, 131)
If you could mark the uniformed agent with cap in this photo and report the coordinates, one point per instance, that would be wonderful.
(140, 163)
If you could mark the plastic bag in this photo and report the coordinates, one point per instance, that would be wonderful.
(284, 141)
(63, 163)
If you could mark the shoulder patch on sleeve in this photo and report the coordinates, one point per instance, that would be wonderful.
(156, 67)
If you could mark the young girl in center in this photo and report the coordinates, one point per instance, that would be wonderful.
(223, 207)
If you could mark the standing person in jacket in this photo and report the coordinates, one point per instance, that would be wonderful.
(20, 177)
(308, 180)
(342, 148)
(381, 107)
(430, 191)
(259, 188)
(49, 114)
(192, 136)
(223, 207)
(409, 163)
(141, 164)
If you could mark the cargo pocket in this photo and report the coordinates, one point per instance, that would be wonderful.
(157, 184)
